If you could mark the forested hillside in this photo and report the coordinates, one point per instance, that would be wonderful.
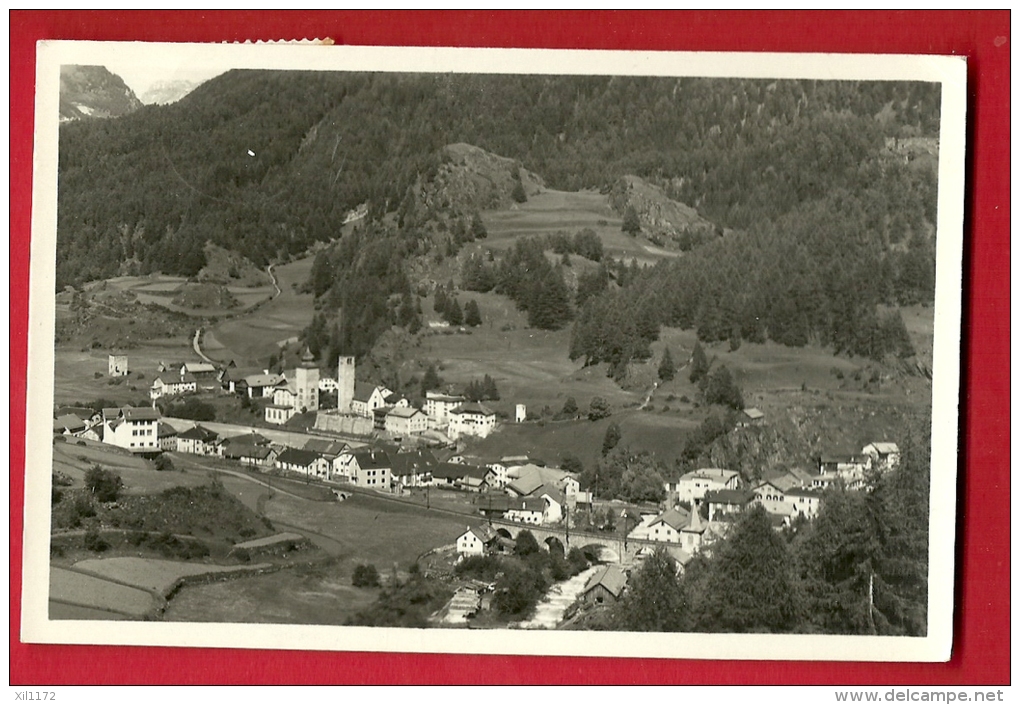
(267, 163)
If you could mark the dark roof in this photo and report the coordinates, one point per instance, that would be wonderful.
(532, 504)
(676, 518)
(165, 430)
(198, 433)
(363, 391)
(729, 496)
(140, 413)
(372, 459)
(413, 463)
(251, 439)
(457, 471)
(295, 456)
(392, 398)
(81, 412)
(68, 422)
(241, 450)
(326, 446)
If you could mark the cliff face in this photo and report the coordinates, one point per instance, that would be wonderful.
(473, 179)
(662, 219)
(94, 92)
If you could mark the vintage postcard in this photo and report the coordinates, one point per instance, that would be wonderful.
(494, 351)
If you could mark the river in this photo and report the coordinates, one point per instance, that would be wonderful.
(549, 611)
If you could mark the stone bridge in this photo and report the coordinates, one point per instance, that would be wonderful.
(601, 547)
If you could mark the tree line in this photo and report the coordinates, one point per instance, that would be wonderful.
(266, 163)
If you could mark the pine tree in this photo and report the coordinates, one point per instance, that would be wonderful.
(667, 368)
(454, 314)
(611, 439)
(472, 314)
(489, 390)
(750, 585)
(430, 381)
(631, 222)
(655, 600)
(699, 363)
(478, 227)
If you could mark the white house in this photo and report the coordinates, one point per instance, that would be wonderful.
(526, 510)
(804, 501)
(693, 486)
(667, 526)
(366, 468)
(305, 462)
(471, 419)
(884, 455)
(134, 428)
(198, 440)
(279, 413)
(368, 398)
(117, 365)
(168, 386)
(438, 406)
(475, 540)
(406, 421)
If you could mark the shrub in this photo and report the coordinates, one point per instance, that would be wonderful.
(598, 409)
(478, 567)
(95, 542)
(164, 464)
(365, 576)
(102, 483)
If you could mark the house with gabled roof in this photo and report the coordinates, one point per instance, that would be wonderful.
(133, 428)
(476, 541)
(526, 510)
(438, 406)
(365, 467)
(167, 435)
(412, 468)
(252, 456)
(69, 425)
(169, 385)
(368, 398)
(667, 526)
(605, 586)
(727, 502)
(198, 440)
(406, 421)
(804, 501)
(885, 455)
(304, 462)
(693, 486)
(471, 419)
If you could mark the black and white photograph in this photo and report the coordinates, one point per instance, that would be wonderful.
(495, 351)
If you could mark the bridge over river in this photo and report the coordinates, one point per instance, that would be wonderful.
(605, 547)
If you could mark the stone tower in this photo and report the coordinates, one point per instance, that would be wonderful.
(345, 384)
(306, 381)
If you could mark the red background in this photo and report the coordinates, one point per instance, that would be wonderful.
(981, 639)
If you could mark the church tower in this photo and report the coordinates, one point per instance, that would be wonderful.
(306, 381)
(345, 384)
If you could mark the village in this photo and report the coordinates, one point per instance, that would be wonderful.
(376, 441)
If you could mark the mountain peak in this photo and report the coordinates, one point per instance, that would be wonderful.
(94, 92)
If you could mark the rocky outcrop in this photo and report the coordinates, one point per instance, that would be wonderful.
(94, 92)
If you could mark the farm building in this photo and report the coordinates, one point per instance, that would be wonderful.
(170, 385)
(605, 586)
(884, 455)
(303, 461)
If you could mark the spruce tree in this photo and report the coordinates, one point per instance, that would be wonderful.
(454, 314)
(430, 381)
(472, 315)
(631, 222)
(667, 368)
(699, 363)
(612, 438)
